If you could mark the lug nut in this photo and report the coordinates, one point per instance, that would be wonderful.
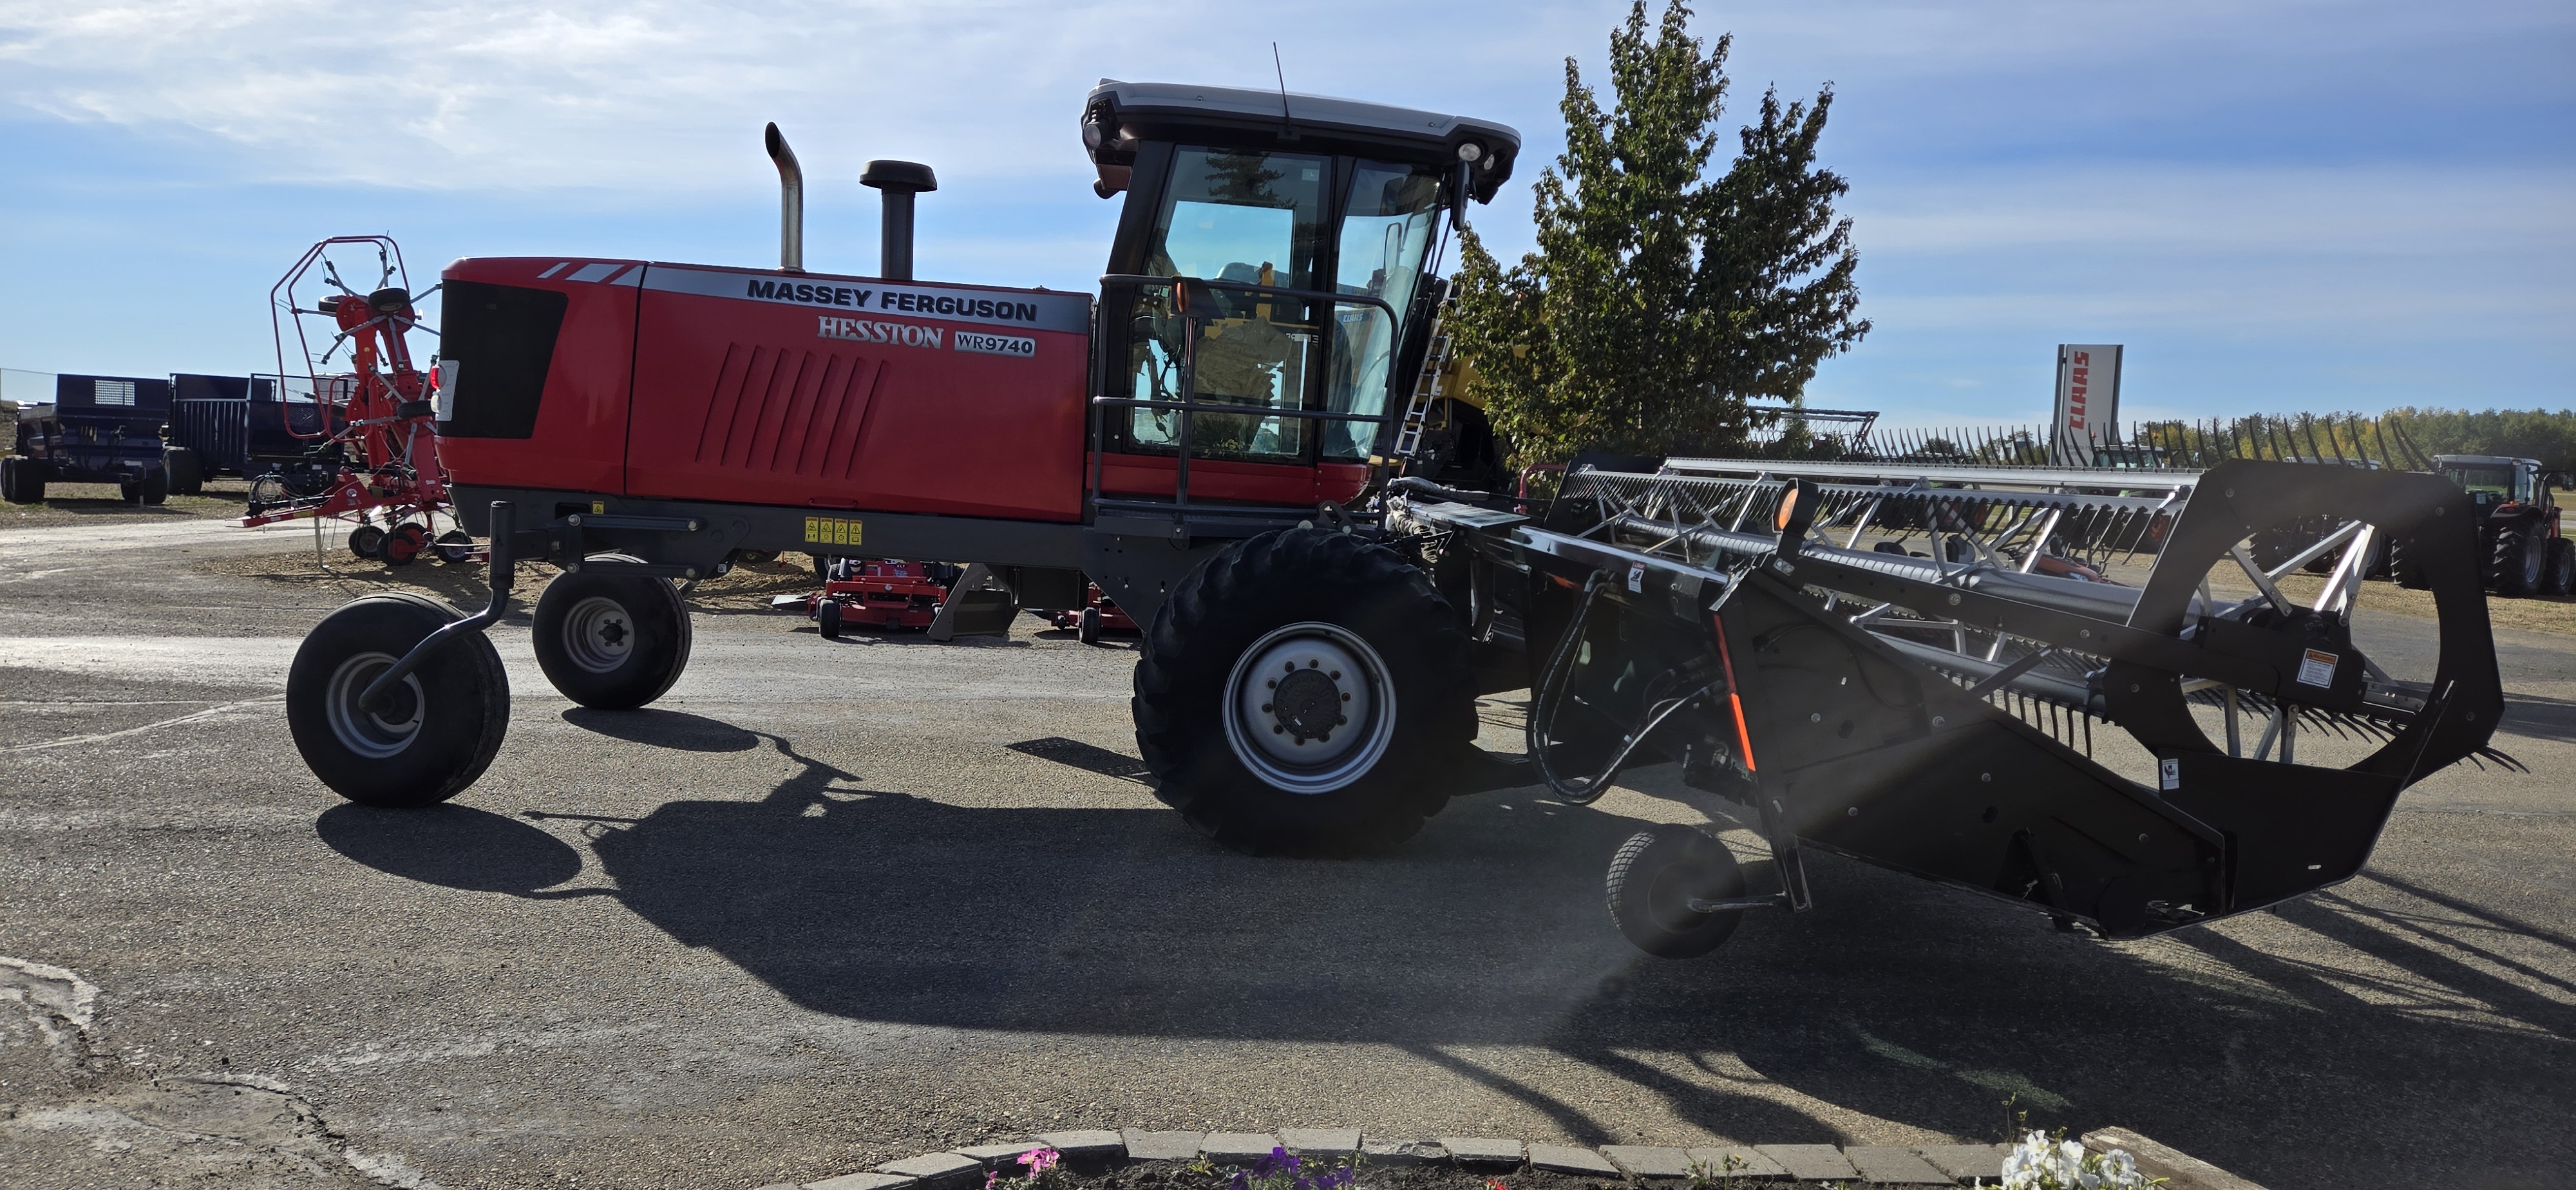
(1265, 707)
(1276, 729)
(1334, 674)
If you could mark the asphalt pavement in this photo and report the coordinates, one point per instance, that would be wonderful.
(832, 903)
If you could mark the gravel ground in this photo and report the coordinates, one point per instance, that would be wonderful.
(829, 904)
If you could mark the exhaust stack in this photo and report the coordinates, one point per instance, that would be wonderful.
(900, 180)
(791, 201)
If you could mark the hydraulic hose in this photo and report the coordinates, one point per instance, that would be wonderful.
(1547, 699)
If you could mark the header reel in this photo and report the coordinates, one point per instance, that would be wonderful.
(1907, 665)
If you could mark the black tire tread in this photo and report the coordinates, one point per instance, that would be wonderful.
(464, 669)
(1213, 612)
(2514, 576)
(612, 692)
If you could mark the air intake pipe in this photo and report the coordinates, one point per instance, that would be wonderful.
(791, 201)
(900, 180)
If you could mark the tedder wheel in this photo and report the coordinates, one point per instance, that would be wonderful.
(610, 641)
(367, 541)
(406, 543)
(155, 488)
(1654, 878)
(454, 547)
(2520, 556)
(2558, 575)
(1305, 692)
(827, 618)
(446, 719)
(1086, 627)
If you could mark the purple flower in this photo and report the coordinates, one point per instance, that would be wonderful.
(1041, 1159)
(1240, 1181)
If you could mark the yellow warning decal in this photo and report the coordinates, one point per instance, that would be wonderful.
(831, 531)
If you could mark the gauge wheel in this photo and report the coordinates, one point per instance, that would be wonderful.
(1654, 878)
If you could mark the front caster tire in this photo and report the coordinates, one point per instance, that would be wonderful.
(1656, 875)
(1086, 626)
(446, 720)
(1304, 692)
(611, 641)
(827, 618)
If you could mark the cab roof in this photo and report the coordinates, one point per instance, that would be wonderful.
(1167, 111)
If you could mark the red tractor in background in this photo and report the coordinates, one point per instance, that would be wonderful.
(1202, 442)
(376, 438)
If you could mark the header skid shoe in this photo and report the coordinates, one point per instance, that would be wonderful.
(1931, 710)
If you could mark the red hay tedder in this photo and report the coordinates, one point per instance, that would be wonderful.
(377, 442)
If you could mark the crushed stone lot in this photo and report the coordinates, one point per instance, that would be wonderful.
(829, 904)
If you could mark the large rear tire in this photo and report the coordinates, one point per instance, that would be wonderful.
(1656, 875)
(12, 477)
(447, 719)
(609, 641)
(1304, 692)
(2520, 557)
(2558, 575)
(2407, 572)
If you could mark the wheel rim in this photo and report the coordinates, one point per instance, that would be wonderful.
(367, 733)
(598, 634)
(1309, 708)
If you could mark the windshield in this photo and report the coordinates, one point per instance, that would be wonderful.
(1387, 225)
(2486, 481)
(1247, 217)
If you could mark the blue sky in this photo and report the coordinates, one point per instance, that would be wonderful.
(2275, 206)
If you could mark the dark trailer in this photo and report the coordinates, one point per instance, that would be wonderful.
(234, 425)
(100, 429)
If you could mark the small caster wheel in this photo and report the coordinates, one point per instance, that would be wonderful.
(610, 641)
(367, 541)
(827, 619)
(404, 544)
(1655, 877)
(1086, 627)
(430, 739)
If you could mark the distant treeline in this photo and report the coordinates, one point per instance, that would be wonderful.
(2522, 433)
(2405, 438)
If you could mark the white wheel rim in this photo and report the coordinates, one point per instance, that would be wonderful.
(1328, 726)
(598, 634)
(364, 732)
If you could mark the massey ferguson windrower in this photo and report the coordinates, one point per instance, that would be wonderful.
(1272, 284)
(1212, 441)
(375, 438)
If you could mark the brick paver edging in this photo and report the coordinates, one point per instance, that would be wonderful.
(1859, 1165)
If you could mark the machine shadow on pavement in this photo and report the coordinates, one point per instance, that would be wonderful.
(2392, 1050)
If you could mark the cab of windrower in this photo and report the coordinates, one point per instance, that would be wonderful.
(1320, 222)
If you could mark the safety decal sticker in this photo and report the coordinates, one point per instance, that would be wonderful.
(831, 531)
(2317, 668)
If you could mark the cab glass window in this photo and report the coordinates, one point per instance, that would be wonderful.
(1248, 217)
(1389, 216)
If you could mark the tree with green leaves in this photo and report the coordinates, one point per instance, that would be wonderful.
(1661, 298)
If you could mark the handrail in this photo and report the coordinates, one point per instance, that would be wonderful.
(1189, 406)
